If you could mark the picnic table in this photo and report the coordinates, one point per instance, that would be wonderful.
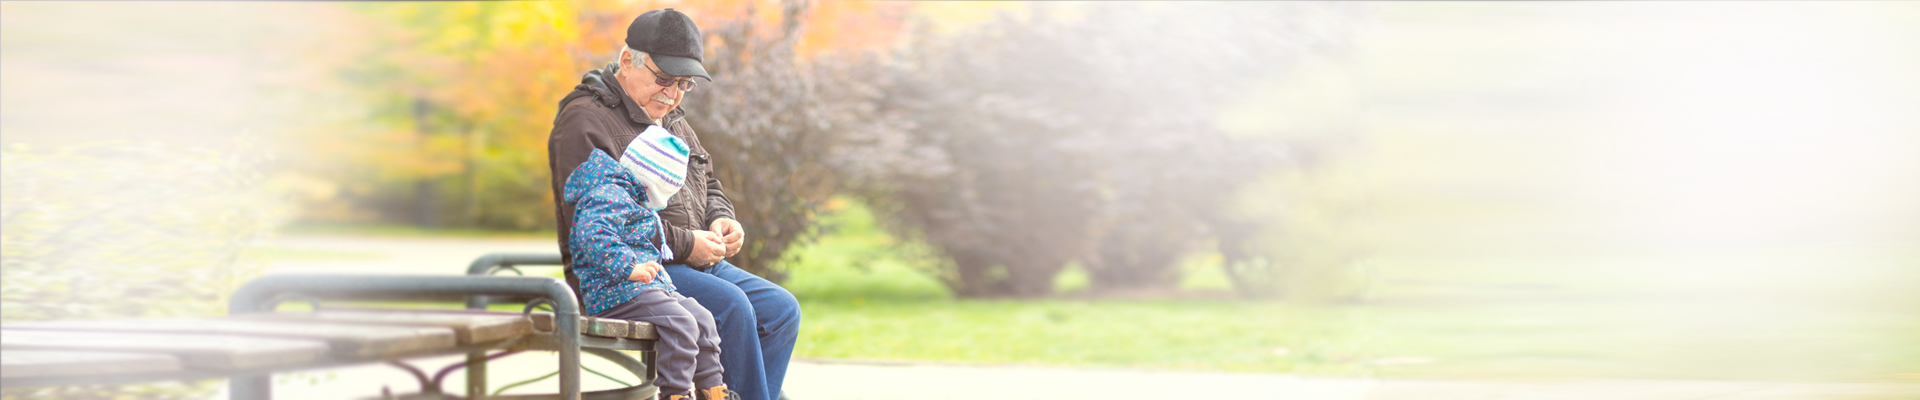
(255, 340)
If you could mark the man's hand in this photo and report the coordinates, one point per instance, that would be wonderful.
(731, 234)
(645, 272)
(708, 248)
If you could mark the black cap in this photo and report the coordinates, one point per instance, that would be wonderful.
(671, 39)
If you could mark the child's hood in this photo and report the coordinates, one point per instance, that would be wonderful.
(601, 169)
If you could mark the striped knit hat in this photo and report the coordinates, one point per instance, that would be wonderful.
(659, 161)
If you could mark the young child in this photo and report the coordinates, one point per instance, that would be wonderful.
(617, 249)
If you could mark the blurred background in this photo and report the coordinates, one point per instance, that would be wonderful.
(1480, 190)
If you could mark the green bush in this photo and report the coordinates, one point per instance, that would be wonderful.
(1307, 240)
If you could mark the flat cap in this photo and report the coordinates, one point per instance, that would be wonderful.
(671, 39)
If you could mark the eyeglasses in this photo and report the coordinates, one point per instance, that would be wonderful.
(667, 81)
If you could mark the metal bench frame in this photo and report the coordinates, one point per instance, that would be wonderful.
(565, 331)
(266, 293)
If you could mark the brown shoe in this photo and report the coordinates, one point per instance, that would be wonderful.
(718, 393)
(679, 397)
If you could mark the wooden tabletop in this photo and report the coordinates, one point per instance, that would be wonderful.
(17, 363)
(266, 341)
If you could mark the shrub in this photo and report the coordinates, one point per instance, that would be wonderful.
(771, 125)
(1083, 133)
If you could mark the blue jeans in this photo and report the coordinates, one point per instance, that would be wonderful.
(758, 320)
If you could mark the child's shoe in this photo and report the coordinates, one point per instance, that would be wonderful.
(718, 393)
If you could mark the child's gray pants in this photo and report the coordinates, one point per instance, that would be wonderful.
(689, 346)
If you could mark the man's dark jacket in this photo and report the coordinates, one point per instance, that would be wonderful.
(599, 115)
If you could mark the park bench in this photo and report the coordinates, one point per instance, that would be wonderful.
(255, 341)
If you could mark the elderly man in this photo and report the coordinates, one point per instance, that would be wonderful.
(758, 320)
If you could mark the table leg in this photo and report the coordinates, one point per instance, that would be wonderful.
(476, 374)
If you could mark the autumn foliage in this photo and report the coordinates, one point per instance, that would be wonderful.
(1013, 139)
(460, 99)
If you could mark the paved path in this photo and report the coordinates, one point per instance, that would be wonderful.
(827, 379)
(819, 379)
(845, 380)
(391, 255)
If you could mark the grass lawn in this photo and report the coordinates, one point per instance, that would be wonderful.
(1763, 317)
(1539, 317)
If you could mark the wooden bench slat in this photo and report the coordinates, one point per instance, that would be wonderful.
(15, 364)
(468, 327)
(642, 330)
(347, 340)
(602, 327)
(198, 351)
(605, 327)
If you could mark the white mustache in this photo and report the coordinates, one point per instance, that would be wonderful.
(663, 99)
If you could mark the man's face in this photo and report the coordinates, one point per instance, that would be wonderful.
(643, 85)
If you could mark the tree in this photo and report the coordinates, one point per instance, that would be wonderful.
(461, 99)
(773, 119)
(1082, 133)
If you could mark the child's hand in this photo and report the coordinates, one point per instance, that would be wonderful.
(645, 272)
